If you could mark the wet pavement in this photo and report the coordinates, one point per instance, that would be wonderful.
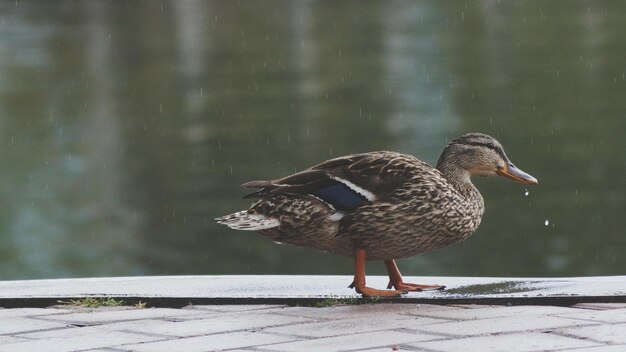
(178, 291)
(332, 322)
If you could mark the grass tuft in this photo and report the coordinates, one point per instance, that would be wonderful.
(97, 302)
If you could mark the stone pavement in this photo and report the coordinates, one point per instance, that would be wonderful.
(585, 327)
(276, 313)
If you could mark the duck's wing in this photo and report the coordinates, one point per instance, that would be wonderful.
(345, 182)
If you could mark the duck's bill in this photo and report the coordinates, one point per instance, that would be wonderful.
(517, 175)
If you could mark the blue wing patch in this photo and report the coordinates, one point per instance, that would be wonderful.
(340, 196)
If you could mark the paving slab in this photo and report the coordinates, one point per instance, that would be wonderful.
(482, 312)
(10, 339)
(209, 343)
(614, 334)
(353, 325)
(16, 325)
(31, 312)
(611, 348)
(351, 342)
(73, 331)
(512, 323)
(606, 316)
(387, 349)
(77, 342)
(238, 308)
(277, 289)
(218, 324)
(94, 317)
(342, 311)
(520, 342)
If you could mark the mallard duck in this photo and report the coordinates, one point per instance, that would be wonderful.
(379, 205)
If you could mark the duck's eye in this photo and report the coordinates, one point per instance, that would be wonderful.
(252, 211)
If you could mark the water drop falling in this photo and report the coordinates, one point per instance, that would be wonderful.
(526, 193)
(547, 222)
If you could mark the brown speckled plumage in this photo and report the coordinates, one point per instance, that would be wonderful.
(391, 205)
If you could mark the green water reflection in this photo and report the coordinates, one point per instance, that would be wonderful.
(128, 126)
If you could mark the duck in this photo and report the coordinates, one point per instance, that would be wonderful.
(379, 206)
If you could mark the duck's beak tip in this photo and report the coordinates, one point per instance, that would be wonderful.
(512, 172)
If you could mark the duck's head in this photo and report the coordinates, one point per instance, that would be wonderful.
(477, 154)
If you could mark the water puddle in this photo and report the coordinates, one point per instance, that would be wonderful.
(496, 288)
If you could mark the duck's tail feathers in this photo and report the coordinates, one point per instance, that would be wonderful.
(243, 220)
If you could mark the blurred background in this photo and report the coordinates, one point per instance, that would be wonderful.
(126, 127)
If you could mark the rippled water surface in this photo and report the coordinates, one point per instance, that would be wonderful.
(128, 126)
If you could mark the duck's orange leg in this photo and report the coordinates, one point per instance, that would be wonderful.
(359, 279)
(395, 280)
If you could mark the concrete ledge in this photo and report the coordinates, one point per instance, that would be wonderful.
(177, 291)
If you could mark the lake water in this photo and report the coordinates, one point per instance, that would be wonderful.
(128, 126)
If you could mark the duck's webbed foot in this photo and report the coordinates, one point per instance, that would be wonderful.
(407, 286)
(372, 292)
(395, 280)
(359, 279)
